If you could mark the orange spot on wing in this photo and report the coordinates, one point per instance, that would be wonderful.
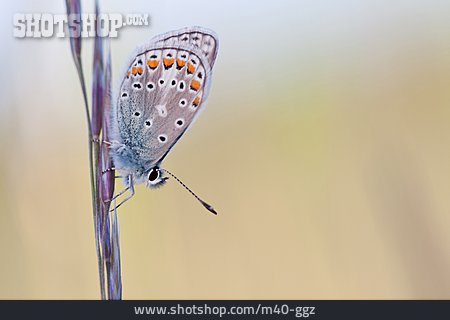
(168, 62)
(190, 68)
(136, 70)
(152, 63)
(195, 85)
(180, 63)
(196, 101)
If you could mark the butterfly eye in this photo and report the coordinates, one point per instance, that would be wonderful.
(153, 175)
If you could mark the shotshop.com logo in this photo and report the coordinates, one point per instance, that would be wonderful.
(45, 25)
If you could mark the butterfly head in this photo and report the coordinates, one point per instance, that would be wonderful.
(155, 178)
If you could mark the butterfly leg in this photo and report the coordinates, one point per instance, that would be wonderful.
(116, 195)
(112, 169)
(123, 191)
(116, 177)
(120, 193)
(129, 187)
(97, 140)
(108, 170)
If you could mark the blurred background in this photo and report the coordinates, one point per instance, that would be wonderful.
(325, 147)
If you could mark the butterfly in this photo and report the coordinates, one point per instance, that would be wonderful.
(162, 91)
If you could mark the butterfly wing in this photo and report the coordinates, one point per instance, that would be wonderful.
(164, 88)
(206, 40)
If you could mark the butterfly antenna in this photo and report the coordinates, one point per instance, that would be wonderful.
(207, 206)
